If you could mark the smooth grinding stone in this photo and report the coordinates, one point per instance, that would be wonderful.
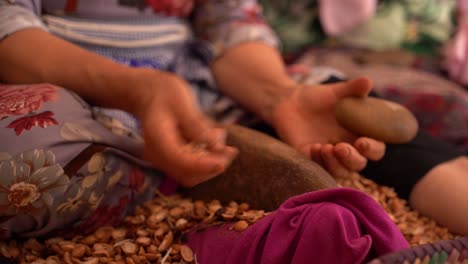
(265, 173)
(377, 118)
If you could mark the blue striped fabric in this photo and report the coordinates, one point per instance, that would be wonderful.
(186, 57)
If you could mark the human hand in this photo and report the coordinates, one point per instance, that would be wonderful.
(306, 120)
(179, 139)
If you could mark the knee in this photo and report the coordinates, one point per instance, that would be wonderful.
(440, 177)
(441, 194)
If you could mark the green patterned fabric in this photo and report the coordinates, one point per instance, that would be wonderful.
(420, 26)
(295, 22)
(417, 25)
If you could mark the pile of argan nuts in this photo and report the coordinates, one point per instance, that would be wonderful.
(155, 232)
(416, 228)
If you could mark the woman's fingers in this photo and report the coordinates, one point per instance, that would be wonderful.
(189, 163)
(331, 162)
(351, 159)
(370, 148)
(339, 160)
(313, 151)
(355, 87)
(198, 128)
(179, 139)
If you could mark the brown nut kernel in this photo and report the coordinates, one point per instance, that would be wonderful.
(176, 212)
(153, 256)
(241, 225)
(119, 234)
(186, 253)
(79, 251)
(181, 224)
(145, 241)
(129, 248)
(166, 243)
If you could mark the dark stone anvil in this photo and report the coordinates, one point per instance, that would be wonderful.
(265, 174)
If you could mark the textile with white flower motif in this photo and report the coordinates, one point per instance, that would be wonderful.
(58, 167)
(220, 24)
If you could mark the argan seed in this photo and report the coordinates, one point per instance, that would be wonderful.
(142, 243)
(241, 225)
(129, 248)
(145, 241)
(181, 224)
(166, 243)
(186, 253)
(79, 251)
(176, 212)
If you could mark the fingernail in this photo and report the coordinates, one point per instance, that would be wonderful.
(222, 136)
(233, 153)
(344, 152)
(364, 145)
(218, 141)
(216, 169)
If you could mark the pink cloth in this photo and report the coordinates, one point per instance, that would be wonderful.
(331, 226)
(456, 50)
(339, 16)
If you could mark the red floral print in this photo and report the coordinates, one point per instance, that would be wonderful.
(301, 69)
(71, 6)
(43, 120)
(177, 8)
(137, 179)
(252, 15)
(103, 216)
(3, 234)
(23, 99)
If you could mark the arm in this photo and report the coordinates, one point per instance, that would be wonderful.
(22, 35)
(95, 78)
(303, 117)
(254, 75)
(170, 119)
(237, 33)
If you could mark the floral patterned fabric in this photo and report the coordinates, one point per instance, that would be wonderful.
(53, 175)
(65, 165)
(220, 24)
(55, 172)
(421, 26)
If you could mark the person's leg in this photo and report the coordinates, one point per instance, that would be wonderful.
(443, 194)
(58, 167)
(431, 174)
